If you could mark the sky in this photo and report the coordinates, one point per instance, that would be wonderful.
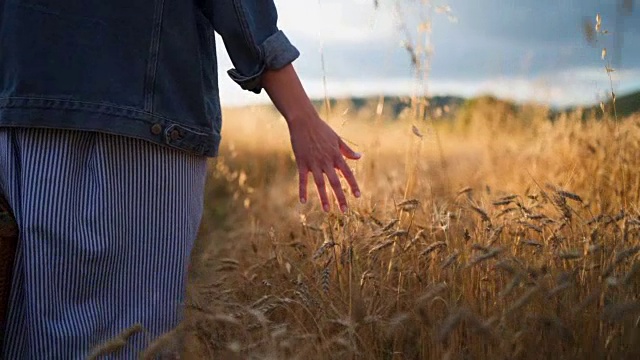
(523, 50)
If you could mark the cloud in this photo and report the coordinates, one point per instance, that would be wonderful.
(547, 26)
(540, 20)
(527, 50)
(334, 21)
(580, 86)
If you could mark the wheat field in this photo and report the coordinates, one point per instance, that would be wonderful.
(491, 234)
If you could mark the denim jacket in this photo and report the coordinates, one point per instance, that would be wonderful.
(139, 68)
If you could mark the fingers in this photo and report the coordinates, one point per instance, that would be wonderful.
(334, 181)
(318, 177)
(328, 168)
(303, 175)
(351, 179)
(348, 152)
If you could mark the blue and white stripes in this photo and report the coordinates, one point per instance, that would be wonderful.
(107, 224)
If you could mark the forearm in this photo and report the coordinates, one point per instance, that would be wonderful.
(288, 95)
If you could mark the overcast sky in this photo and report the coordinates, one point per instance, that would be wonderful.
(519, 49)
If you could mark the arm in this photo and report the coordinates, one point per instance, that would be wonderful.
(262, 56)
(252, 38)
(317, 148)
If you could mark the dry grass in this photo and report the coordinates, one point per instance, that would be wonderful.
(516, 238)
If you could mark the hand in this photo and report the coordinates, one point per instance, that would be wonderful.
(320, 151)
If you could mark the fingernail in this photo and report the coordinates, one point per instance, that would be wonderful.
(358, 155)
(303, 201)
(343, 208)
(357, 194)
(325, 207)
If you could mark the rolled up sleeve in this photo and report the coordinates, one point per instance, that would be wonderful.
(252, 39)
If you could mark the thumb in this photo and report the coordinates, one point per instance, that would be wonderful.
(348, 152)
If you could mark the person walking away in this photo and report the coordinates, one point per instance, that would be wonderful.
(108, 113)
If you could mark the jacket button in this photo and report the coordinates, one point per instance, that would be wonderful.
(175, 134)
(156, 129)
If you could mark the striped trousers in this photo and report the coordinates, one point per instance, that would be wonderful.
(106, 225)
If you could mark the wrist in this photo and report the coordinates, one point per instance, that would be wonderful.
(301, 116)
